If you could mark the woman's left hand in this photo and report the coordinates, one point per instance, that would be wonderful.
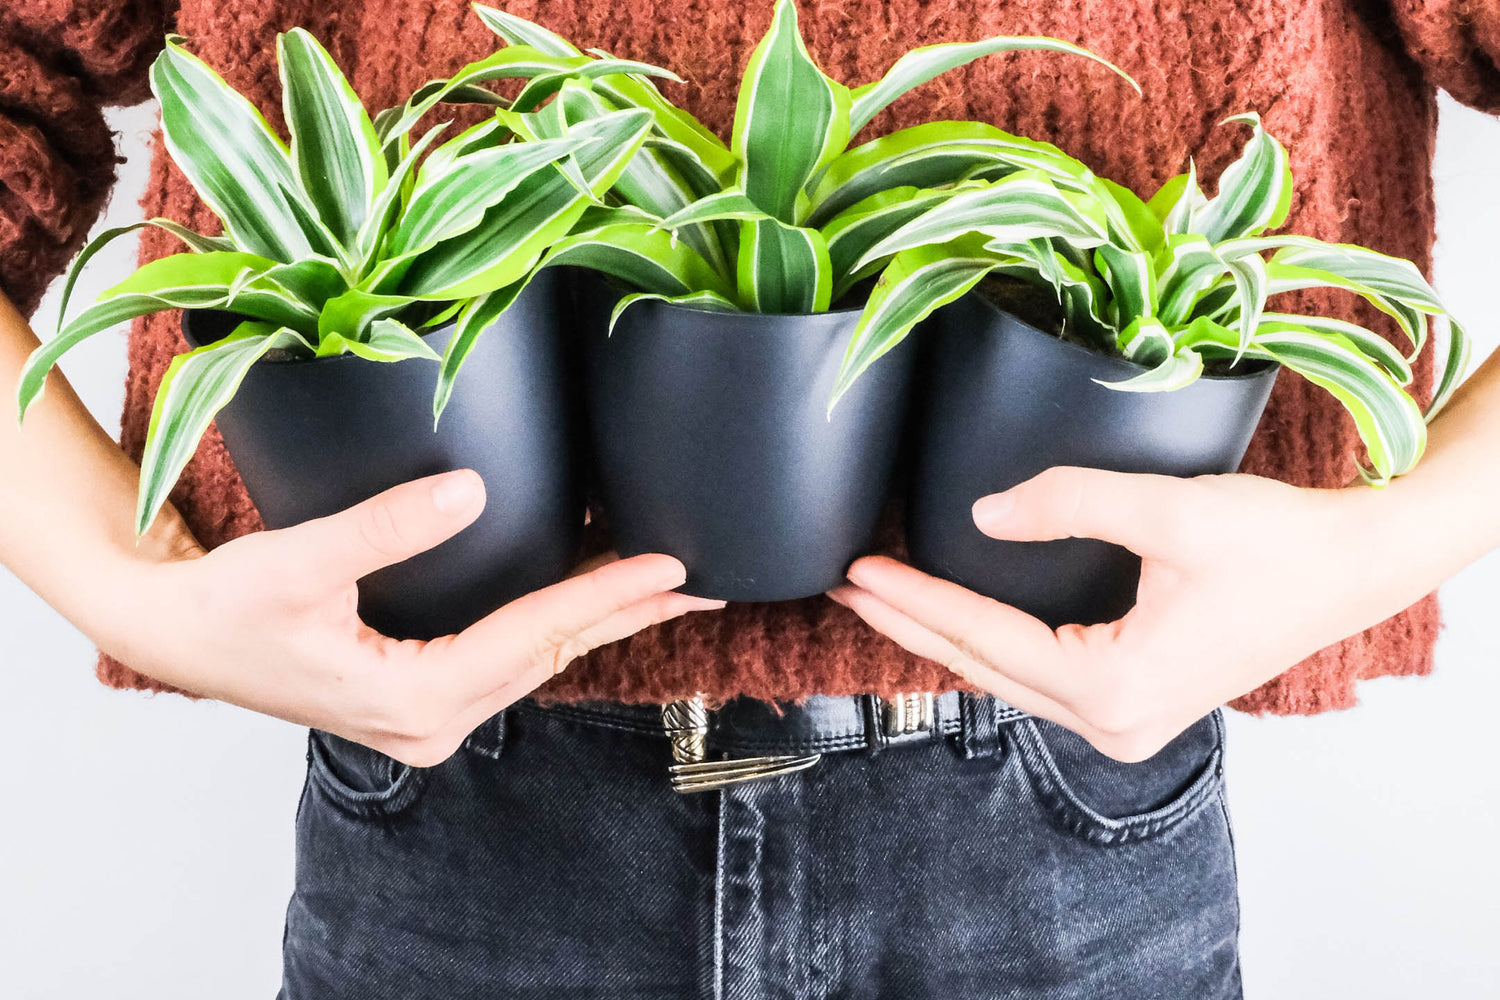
(1242, 577)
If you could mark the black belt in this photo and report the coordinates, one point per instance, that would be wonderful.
(748, 740)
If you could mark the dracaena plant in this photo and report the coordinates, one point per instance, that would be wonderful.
(779, 219)
(1187, 286)
(338, 242)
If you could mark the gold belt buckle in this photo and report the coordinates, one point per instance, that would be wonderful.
(686, 723)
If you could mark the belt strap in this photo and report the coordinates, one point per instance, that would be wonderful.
(745, 727)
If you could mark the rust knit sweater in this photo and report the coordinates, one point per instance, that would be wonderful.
(1348, 85)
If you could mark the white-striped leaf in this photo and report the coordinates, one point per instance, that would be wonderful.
(641, 255)
(1255, 191)
(195, 387)
(933, 155)
(514, 234)
(705, 301)
(451, 204)
(1179, 202)
(519, 31)
(197, 241)
(1252, 285)
(914, 284)
(1188, 266)
(930, 61)
(229, 154)
(388, 341)
(388, 203)
(855, 230)
(783, 269)
(334, 149)
(790, 120)
(1131, 280)
(1016, 208)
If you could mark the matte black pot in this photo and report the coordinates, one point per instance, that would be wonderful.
(311, 438)
(1001, 401)
(714, 445)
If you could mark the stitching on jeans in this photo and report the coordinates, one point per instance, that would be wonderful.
(1079, 818)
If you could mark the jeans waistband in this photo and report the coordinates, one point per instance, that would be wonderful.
(744, 727)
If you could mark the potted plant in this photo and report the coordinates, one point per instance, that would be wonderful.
(1153, 352)
(328, 323)
(712, 350)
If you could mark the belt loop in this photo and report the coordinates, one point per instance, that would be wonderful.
(874, 730)
(979, 730)
(489, 739)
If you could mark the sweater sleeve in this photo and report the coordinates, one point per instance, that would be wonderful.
(61, 63)
(1457, 44)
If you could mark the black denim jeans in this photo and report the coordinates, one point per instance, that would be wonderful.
(550, 859)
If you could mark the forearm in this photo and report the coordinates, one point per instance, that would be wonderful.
(1443, 515)
(67, 501)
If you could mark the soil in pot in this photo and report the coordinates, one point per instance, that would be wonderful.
(311, 438)
(1001, 401)
(713, 442)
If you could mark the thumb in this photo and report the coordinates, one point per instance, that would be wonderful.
(1141, 512)
(385, 529)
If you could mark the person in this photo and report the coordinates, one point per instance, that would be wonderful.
(995, 809)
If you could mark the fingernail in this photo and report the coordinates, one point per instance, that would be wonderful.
(993, 511)
(671, 579)
(456, 493)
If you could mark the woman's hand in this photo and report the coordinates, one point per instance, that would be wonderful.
(268, 622)
(1242, 578)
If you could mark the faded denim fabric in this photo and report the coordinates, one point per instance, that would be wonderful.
(550, 859)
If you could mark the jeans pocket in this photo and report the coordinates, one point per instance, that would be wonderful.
(361, 781)
(1106, 801)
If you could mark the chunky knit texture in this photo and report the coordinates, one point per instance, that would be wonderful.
(1348, 85)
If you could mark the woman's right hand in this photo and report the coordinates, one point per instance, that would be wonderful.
(268, 621)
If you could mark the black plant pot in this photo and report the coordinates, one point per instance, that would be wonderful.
(1001, 402)
(714, 444)
(311, 438)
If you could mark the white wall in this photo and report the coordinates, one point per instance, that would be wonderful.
(146, 846)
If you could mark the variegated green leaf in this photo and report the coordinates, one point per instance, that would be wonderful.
(519, 31)
(643, 256)
(450, 204)
(1131, 280)
(1179, 369)
(1187, 267)
(334, 149)
(195, 387)
(388, 341)
(229, 154)
(934, 155)
(914, 284)
(387, 205)
(1255, 191)
(790, 120)
(1016, 208)
(1252, 285)
(704, 301)
(1370, 344)
(783, 269)
(930, 61)
(200, 243)
(514, 234)
(212, 280)
(473, 320)
(1179, 202)
(855, 230)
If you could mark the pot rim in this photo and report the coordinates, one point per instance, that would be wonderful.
(1254, 368)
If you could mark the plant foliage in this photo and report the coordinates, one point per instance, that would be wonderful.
(338, 241)
(1187, 280)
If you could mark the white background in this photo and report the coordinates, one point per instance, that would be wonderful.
(146, 843)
